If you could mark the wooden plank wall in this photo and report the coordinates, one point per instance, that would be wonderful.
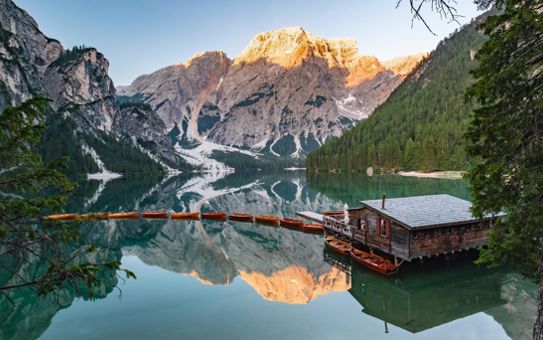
(396, 244)
(445, 240)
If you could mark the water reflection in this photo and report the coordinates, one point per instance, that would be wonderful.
(280, 265)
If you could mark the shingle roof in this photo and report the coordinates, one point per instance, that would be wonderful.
(425, 211)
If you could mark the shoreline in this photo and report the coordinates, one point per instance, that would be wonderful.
(434, 174)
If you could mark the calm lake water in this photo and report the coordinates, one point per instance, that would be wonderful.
(227, 280)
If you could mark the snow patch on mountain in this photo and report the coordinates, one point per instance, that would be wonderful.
(201, 156)
(104, 174)
(349, 107)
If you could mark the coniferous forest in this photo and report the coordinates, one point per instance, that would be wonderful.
(422, 124)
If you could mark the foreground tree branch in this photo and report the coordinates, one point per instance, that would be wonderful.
(30, 189)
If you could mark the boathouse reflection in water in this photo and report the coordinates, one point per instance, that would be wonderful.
(419, 300)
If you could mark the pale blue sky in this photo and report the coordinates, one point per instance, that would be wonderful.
(141, 36)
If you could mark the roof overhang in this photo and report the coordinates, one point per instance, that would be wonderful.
(431, 226)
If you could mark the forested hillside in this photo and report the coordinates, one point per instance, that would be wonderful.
(421, 125)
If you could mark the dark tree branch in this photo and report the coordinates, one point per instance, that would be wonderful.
(445, 8)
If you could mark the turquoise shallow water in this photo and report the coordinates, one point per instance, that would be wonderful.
(228, 280)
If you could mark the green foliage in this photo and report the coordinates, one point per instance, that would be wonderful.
(506, 135)
(58, 140)
(421, 125)
(29, 189)
(71, 54)
(121, 156)
(135, 101)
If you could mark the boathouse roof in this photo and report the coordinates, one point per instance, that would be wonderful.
(426, 211)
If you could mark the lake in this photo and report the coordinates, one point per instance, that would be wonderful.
(229, 280)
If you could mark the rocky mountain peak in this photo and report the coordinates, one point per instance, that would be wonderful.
(25, 52)
(79, 78)
(206, 57)
(403, 65)
(289, 47)
(285, 94)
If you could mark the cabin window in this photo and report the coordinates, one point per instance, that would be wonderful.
(383, 227)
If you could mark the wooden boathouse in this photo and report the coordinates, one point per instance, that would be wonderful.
(412, 227)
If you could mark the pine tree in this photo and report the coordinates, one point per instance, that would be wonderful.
(29, 189)
(506, 139)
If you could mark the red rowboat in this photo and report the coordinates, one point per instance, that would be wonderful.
(333, 213)
(124, 216)
(291, 223)
(155, 214)
(338, 245)
(266, 219)
(61, 217)
(185, 216)
(316, 228)
(241, 217)
(373, 262)
(213, 215)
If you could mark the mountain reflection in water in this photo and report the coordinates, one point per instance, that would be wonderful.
(280, 265)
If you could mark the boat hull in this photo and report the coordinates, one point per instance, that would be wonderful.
(185, 216)
(61, 217)
(333, 213)
(338, 246)
(241, 217)
(155, 215)
(214, 216)
(291, 223)
(267, 220)
(124, 216)
(373, 262)
(314, 228)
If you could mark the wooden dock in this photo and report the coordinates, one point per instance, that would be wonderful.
(311, 216)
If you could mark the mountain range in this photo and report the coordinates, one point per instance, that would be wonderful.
(422, 124)
(284, 95)
(287, 92)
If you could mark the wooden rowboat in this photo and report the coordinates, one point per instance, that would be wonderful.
(124, 216)
(316, 228)
(241, 217)
(337, 245)
(291, 223)
(333, 213)
(213, 215)
(185, 216)
(155, 214)
(61, 217)
(267, 219)
(93, 216)
(373, 262)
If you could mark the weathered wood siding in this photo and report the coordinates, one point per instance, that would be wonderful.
(447, 239)
(407, 243)
(394, 242)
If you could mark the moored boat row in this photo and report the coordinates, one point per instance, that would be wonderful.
(217, 216)
(368, 260)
